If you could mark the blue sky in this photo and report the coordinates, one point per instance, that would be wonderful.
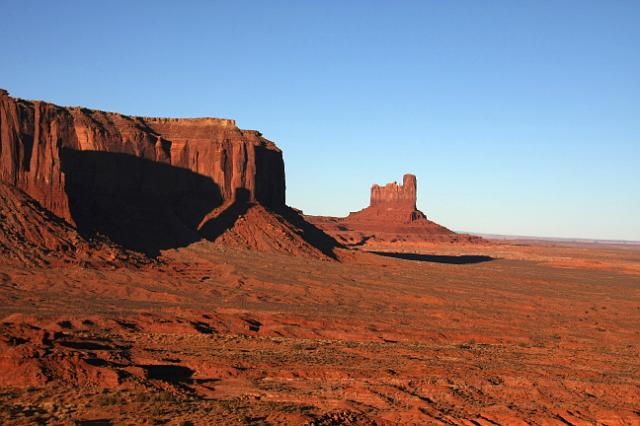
(518, 117)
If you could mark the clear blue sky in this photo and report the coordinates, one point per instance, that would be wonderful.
(518, 117)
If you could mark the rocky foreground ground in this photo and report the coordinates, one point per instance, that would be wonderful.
(504, 333)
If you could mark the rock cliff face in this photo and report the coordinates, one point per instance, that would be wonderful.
(147, 184)
(392, 203)
(35, 137)
(396, 196)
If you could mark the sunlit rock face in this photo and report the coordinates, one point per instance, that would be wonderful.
(148, 184)
(47, 150)
(392, 203)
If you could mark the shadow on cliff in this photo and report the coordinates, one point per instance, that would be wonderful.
(213, 228)
(452, 260)
(140, 204)
(149, 206)
(311, 233)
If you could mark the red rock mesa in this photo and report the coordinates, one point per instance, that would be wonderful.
(146, 183)
(37, 135)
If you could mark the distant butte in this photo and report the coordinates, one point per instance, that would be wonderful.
(392, 219)
(392, 203)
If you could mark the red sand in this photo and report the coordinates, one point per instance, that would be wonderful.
(547, 334)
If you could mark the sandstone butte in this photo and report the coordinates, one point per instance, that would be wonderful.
(151, 183)
(392, 203)
(392, 218)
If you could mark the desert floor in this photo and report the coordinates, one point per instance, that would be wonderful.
(503, 333)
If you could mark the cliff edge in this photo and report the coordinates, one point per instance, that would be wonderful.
(146, 183)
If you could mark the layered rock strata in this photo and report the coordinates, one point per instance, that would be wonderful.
(146, 183)
(35, 136)
(392, 203)
(394, 196)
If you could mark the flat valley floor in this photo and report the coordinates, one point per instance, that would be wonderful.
(503, 333)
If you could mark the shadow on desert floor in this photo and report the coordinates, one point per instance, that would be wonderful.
(435, 258)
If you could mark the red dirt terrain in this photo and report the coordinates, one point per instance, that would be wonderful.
(151, 273)
(230, 336)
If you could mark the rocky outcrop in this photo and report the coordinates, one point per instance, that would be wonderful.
(253, 227)
(392, 203)
(391, 220)
(34, 137)
(394, 196)
(146, 183)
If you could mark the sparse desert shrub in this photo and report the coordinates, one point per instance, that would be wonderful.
(161, 396)
(107, 399)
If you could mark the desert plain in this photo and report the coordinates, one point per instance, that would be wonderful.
(503, 333)
(152, 273)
